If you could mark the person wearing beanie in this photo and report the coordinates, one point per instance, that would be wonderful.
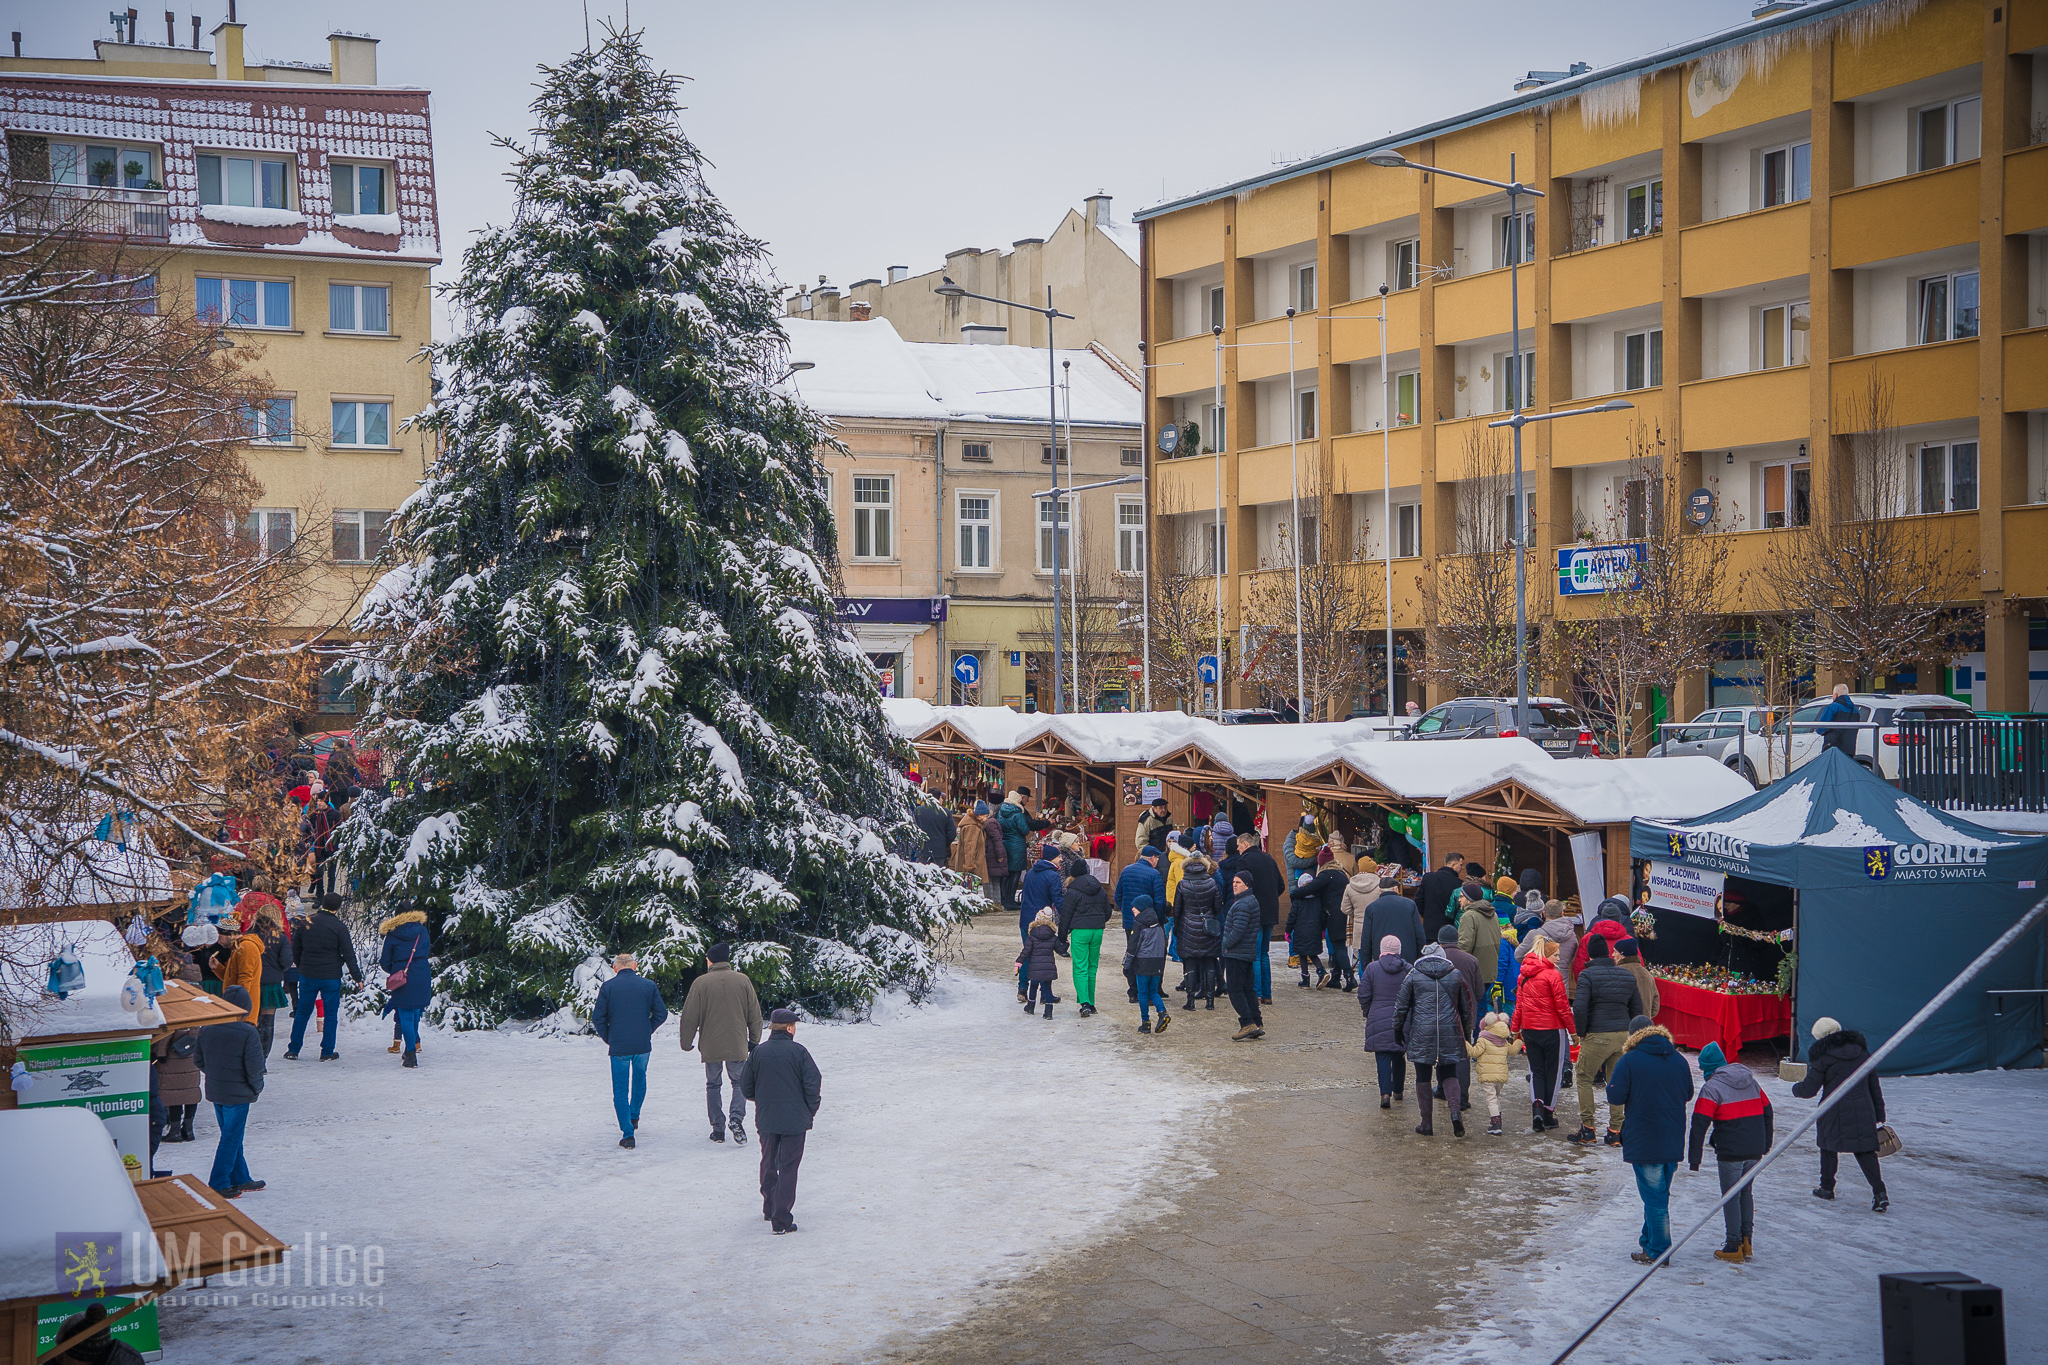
(1198, 928)
(1611, 922)
(230, 1057)
(782, 1080)
(1851, 1126)
(1147, 963)
(1155, 824)
(324, 950)
(970, 847)
(1733, 1108)
(1489, 1053)
(1390, 912)
(1606, 999)
(1037, 963)
(1630, 955)
(1379, 993)
(1141, 880)
(1241, 939)
(1042, 891)
(1653, 1083)
(722, 1013)
(1478, 933)
(1433, 1017)
(99, 1347)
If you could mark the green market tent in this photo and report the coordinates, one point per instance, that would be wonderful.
(1894, 899)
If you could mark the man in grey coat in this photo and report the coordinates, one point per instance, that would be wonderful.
(723, 1010)
(783, 1082)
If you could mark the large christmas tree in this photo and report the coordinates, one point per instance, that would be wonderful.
(608, 665)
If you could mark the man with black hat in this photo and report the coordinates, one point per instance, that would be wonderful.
(723, 1008)
(783, 1082)
(98, 1348)
(230, 1056)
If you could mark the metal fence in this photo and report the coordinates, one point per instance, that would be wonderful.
(94, 211)
(1982, 764)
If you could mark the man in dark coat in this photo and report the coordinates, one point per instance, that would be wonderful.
(1042, 889)
(230, 1056)
(1654, 1084)
(1242, 937)
(1475, 985)
(939, 829)
(1263, 874)
(1851, 1126)
(1836, 721)
(1393, 915)
(1435, 894)
(1198, 906)
(1606, 1000)
(325, 948)
(784, 1084)
(629, 1009)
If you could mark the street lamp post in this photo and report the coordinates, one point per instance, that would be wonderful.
(947, 289)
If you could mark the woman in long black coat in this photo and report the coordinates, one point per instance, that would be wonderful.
(1379, 992)
(1851, 1126)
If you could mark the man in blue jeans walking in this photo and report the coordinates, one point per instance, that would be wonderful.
(230, 1056)
(629, 1009)
(324, 949)
(1654, 1084)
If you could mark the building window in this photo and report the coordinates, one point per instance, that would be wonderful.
(1212, 424)
(1407, 389)
(1052, 538)
(1514, 238)
(1947, 307)
(1644, 208)
(269, 529)
(1130, 455)
(977, 520)
(80, 163)
(1518, 533)
(1642, 360)
(1130, 535)
(1305, 289)
(358, 308)
(361, 424)
(1215, 307)
(1045, 455)
(1636, 509)
(1787, 174)
(1305, 414)
(1308, 542)
(360, 189)
(335, 697)
(1785, 329)
(1407, 530)
(360, 536)
(1215, 549)
(1515, 372)
(245, 181)
(244, 303)
(1946, 133)
(1788, 495)
(874, 516)
(1948, 477)
(1407, 271)
(269, 422)
(976, 452)
(140, 291)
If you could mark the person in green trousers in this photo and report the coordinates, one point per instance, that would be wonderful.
(1084, 911)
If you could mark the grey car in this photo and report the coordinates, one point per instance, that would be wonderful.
(1552, 724)
(1717, 734)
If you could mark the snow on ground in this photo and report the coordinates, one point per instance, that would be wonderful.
(958, 1145)
(1968, 1194)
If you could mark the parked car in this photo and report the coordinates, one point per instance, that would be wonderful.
(1254, 715)
(1714, 733)
(1876, 749)
(1552, 724)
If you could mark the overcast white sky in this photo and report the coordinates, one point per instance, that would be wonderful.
(854, 136)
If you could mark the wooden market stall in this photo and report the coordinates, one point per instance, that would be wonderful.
(1078, 765)
(955, 751)
(1372, 780)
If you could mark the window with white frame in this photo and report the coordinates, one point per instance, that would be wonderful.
(1946, 133)
(1946, 307)
(1215, 548)
(1518, 531)
(361, 422)
(976, 515)
(1305, 414)
(269, 530)
(1305, 289)
(1514, 371)
(1407, 390)
(1406, 271)
(1784, 334)
(1215, 307)
(245, 180)
(874, 516)
(109, 165)
(1643, 208)
(1642, 359)
(1514, 238)
(1130, 536)
(1788, 494)
(1054, 534)
(243, 303)
(1948, 477)
(268, 422)
(1407, 530)
(1785, 174)
(360, 535)
(1212, 426)
(360, 189)
(359, 308)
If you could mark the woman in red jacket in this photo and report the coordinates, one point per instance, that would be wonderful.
(1543, 1021)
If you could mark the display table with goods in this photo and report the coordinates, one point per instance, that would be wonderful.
(1702, 1005)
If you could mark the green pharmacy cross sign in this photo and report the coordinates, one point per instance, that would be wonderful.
(1584, 569)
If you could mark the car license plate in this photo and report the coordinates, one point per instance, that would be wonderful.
(1557, 743)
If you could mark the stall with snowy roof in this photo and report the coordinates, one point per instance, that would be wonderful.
(955, 748)
(1887, 900)
(1084, 767)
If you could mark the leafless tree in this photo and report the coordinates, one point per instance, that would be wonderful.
(1094, 602)
(1183, 611)
(1469, 598)
(1340, 606)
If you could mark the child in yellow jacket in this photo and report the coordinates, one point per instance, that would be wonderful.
(1490, 1065)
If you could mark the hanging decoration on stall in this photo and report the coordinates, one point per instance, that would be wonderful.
(1757, 935)
(1712, 978)
(1643, 923)
(1686, 889)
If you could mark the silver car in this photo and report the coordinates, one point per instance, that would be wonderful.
(1718, 734)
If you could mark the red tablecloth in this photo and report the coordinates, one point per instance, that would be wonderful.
(1697, 1016)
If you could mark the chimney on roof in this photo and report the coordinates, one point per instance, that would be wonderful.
(132, 17)
(17, 42)
(1537, 79)
(898, 274)
(859, 310)
(1097, 209)
(195, 33)
(227, 50)
(352, 58)
(170, 28)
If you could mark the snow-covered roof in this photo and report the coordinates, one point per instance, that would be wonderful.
(865, 369)
(25, 953)
(1275, 753)
(909, 717)
(985, 727)
(1613, 791)
(1430, 770)
(36, 867)
(65, 1179)
(1125, 235)
(1117, 736)
(1831, 804)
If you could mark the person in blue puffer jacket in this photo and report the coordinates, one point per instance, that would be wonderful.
(1141, 878)
(406, 945)
(1042, 889)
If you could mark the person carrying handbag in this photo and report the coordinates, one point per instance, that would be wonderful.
(408, 975)
(1856, 1124)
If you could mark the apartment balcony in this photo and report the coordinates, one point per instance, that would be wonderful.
(2026, 370)
(1906, 216)
(1477, 306)
(1749, 248)
(97, 211)
(1185, 366)
(2026, 551)
(1266, 598)
(1361, 461)
(1266, 473)
(2026, 189)
(1599, 437)
(1747, 409)
(1263, 353)
(1934, 383)
(1187, 484)
(1607, 279)
(1355, 333)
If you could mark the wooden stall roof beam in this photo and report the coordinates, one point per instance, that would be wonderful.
(1340, 781)
(1509, 802)
(1182, 777)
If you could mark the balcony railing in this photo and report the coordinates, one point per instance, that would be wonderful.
(1980, 764)
(93, 211)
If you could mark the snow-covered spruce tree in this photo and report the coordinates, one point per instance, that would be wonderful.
(607, 664)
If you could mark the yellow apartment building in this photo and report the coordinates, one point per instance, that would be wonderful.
(294, 201)
(1736, 236)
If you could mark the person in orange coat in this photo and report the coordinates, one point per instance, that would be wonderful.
(1543, 1021)
(243, 966)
